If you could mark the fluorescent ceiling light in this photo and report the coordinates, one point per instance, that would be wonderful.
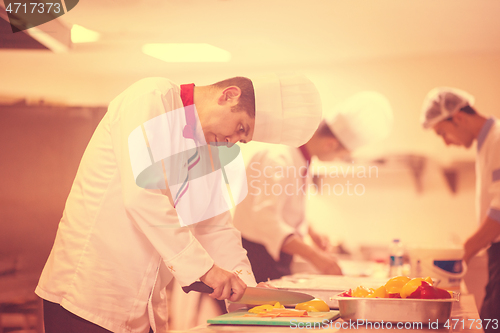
(186, 52)
(80, 34)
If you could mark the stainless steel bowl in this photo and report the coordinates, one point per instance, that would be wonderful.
(425, 311)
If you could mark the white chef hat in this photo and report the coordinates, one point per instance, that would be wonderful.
(442, 103)
(287, 109)
(363, 118)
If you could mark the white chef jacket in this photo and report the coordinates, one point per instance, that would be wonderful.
(488, 172)
(118, 245)
(275, 205)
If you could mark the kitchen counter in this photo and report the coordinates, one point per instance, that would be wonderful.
(464, 313)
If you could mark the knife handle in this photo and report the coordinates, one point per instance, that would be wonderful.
(199, 287)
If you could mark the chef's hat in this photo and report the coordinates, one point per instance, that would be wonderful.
(442, 103)
(363, 118)
(287, 109)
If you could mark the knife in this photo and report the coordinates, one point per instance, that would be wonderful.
(257, 296)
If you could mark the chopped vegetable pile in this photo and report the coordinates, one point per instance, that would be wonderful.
(401, 287)
(315, 305)
(277, 310)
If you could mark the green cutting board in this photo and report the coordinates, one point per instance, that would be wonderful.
(238, 318)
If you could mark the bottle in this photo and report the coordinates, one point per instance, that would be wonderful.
(396, 258)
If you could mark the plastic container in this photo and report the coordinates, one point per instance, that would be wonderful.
(444, 265)
(396, 258)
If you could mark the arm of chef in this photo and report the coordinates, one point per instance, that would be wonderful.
(260, 215)
(149, 209)
(223, 242)
(489, 230)
(494, 189)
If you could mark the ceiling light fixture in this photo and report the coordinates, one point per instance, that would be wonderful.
(186, 52)
(80, 34)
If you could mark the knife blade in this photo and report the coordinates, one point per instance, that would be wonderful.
(257, 296)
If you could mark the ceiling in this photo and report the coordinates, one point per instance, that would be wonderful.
(277, 31)
(329, 40)
(267, 33)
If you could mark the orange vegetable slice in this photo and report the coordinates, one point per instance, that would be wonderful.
(284, 313)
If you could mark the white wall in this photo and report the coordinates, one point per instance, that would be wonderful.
(387, 205)
(391, 206)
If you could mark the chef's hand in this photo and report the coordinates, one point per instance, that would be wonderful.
(321, 241)
(468, 251)
(326, 264)
(259, 285)
(265, 285)
(226, 285)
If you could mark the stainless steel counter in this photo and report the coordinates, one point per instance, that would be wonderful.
(464, 318)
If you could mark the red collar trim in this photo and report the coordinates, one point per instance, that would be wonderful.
(187, 94)
(306, 154)
(187, 97)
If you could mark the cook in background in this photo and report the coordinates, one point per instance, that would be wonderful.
(450, 113)
(273, 227)
(119, 244)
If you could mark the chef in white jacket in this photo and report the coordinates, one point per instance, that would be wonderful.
(272, 217)
(450, 113)
(132, 220)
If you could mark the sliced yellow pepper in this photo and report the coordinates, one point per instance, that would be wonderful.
(261, 308)
(278, 305)
(380, 292)
(266, 307)
(314, 305)
(361, 291)
(394, 285)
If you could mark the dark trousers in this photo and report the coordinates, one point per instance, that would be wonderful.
(491, 303)
(263, 265)
(59, 320)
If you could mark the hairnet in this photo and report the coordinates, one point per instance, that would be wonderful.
(441, 103)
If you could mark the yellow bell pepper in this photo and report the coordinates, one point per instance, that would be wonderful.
(314, 305)
(261, 308)
(266, 307)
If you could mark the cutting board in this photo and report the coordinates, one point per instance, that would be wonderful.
(238, 318)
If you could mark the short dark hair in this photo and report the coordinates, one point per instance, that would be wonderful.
(324, 130)
(247, 99)
(467, 109)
